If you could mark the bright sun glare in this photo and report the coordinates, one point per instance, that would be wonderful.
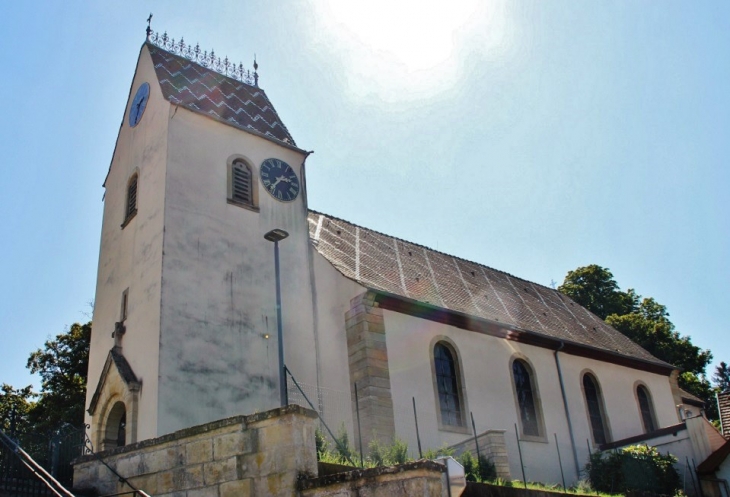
(417, 34)
(405, 46)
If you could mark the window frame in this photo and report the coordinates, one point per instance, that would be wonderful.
(600, 404)
(651, 411)
(536, 400)
(450, 346)
(232, 162)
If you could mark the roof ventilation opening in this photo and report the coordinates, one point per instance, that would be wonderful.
(473, 274)
(338, 232)
(410, 253)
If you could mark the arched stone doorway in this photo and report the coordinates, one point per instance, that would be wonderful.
(115, 428)
(114, 405)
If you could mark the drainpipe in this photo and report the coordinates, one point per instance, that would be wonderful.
(567, 412)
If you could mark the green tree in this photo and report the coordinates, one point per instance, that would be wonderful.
(15, 404)
(62, 365)
(721, 377)
(646, 322)
(650, 327)
(594, 288)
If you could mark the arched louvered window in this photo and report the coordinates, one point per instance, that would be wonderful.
(525, 391)
(131, 206)
(447, 381)
(646, 407)
(596, 414)
(241, 183)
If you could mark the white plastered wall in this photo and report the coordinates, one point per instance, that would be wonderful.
(334, 293)
(218, 296)
(485, 362)
(131, 257)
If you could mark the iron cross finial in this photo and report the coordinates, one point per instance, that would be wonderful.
(255, 71)
(149, 29)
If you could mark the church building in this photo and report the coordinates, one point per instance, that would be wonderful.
(185, 317)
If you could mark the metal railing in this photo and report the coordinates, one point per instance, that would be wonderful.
(22, 475)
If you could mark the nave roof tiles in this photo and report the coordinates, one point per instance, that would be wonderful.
(415, 272)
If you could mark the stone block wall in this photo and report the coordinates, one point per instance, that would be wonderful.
(260, 454)
(421, 478)
(493, 446)
(368, 361)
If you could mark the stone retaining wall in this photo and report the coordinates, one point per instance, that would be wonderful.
(421, 478)
(260, 454)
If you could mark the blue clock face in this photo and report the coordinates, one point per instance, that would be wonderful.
(279, 180)
(138, 104)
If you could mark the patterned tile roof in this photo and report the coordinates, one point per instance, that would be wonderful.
(388, 264)
(225, 99)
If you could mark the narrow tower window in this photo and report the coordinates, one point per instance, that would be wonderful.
(125, 305)
(241, 183)
(131, 207)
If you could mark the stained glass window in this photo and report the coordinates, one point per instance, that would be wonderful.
(448, 386)
(647, 411)
(595, 409)
(525, 398)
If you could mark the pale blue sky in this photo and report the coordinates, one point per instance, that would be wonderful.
(533, 137)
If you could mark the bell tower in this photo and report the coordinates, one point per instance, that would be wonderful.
(185, 318)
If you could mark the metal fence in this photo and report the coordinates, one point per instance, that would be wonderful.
(53, 451)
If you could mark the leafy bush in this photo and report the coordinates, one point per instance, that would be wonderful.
(320, 441)
(340, 452)
(388, 455)
(479, 470)
(342, 444)
(443, 451)
(634, 468)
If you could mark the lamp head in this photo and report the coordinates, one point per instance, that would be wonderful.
(276, 235)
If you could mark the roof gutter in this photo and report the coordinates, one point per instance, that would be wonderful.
(565, 406)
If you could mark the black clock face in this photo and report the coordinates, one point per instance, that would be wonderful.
(139, 104)
(279, 180)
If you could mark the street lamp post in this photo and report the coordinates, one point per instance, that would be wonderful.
(277, 235)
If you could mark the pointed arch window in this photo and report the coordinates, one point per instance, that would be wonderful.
(646, 407)
(596, 410)
(449, 389)
(130, 209)
(527, 404)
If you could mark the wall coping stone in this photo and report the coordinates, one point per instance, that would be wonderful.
(358, 474)
(244, 419)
